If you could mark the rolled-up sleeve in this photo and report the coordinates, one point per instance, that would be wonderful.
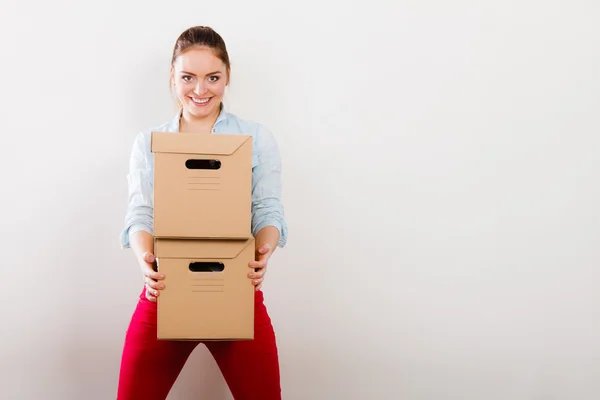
(267, 207)
(140, 207)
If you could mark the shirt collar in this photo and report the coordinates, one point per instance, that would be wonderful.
(174, 125)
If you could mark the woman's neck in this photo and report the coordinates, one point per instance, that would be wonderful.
(189, 123)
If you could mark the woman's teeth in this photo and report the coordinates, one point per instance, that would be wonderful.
(200, 101)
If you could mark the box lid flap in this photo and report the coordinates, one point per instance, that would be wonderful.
(200, 249)
(196, 143)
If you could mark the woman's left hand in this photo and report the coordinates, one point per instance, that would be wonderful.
(259, 267)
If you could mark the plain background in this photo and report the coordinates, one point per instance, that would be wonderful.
(441, 185)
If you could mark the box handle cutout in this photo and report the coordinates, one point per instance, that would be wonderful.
(203, 164)
(206, 266)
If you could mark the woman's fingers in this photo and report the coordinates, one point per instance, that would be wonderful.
(153, 284)
(152, 278)
(147, 266)
(149, 295)
(259, 269)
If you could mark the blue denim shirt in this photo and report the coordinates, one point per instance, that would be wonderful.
(267, 209)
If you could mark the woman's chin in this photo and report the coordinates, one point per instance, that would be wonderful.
(203, 111)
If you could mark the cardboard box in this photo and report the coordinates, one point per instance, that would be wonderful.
(207, 295)
(202, 185)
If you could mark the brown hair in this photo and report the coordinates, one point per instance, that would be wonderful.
(201, 36)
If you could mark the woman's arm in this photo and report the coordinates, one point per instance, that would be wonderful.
(268, 223)
(266, 242)
(267, 236)
(267, 208)
(139, 220)
(141, 242)
(140, 207)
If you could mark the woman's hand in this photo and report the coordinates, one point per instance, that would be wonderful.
(151, 277)
(263, 253)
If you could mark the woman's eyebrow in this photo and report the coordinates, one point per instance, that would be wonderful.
(210, 73)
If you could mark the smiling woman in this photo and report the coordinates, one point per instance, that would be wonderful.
(200, 71)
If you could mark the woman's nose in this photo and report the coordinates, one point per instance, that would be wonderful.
(199, 88)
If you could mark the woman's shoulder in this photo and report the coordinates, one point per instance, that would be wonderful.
(143, 138)
(260, 133)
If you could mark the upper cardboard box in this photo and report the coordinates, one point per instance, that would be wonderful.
(202, 185)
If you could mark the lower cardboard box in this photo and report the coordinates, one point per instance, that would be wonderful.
(207, 294)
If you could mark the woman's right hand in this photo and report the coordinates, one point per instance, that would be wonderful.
(151, 278)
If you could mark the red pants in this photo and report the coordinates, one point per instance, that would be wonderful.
(149, 367)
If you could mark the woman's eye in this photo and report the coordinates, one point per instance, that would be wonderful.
(213, 78)
(186, 78)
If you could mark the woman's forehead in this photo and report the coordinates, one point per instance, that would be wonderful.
(199, 61)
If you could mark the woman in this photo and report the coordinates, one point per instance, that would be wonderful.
(200, 71)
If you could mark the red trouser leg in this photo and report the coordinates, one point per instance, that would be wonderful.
(149, 367)
(251, 368)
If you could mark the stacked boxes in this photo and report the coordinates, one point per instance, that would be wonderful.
(202, 235)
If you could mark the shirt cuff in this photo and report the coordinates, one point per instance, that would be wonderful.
(126, 234)
(277, 224)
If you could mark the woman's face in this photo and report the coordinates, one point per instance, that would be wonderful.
(200, 79)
